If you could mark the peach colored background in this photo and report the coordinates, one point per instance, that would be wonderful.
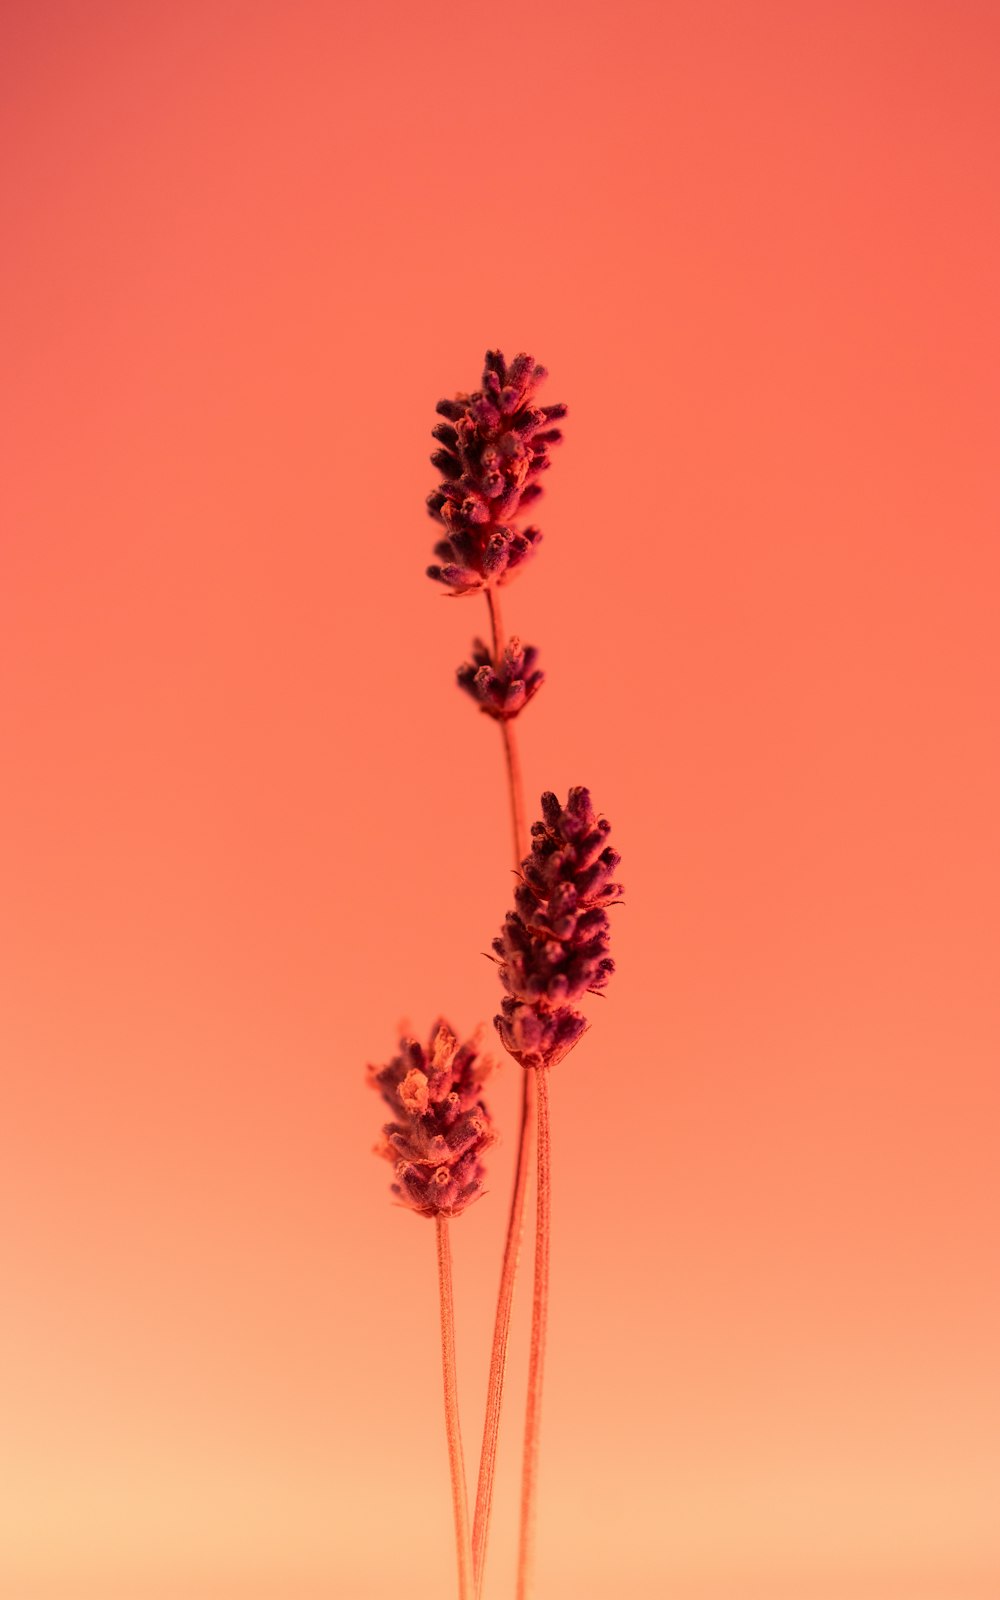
(248, 825)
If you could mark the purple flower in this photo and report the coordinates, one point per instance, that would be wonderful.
(501, 690)
(536, 1037)
(494, 445)
(442, 1126)
(553, 948)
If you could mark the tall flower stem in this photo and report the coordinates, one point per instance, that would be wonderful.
(515, 1220)
(456, 1459)
(536, 1364)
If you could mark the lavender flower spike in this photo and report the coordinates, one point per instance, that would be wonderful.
(441, 1126)
(495, 443)
(502, 689)
(553, 948)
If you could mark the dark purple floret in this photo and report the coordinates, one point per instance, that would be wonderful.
(553, 948)
(494, 444)
(505, 689)
(442, 1126)
(539, 1038)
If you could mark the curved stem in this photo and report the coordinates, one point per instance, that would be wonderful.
(515, 1220)
(536, 1365)
(456, 1460)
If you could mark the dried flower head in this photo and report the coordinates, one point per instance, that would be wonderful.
(504, 688)
(442, 1126)
(553, 948)
(494, 445)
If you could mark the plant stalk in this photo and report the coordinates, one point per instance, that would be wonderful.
(514, 785)
(536, 1363)
(456, 1459)
(515, 1220)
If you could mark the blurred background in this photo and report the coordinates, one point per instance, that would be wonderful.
(250, 828)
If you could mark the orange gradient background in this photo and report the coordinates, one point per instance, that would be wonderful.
(249, 826)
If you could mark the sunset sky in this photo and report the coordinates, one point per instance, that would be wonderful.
(250, 830)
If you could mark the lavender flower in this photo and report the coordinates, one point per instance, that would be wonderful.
(553, 948)
(502, 690)
(442, 1126)
(495, 444)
